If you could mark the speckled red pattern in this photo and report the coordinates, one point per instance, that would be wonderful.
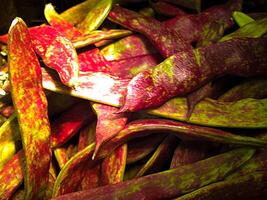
(70, 122)
(144, 127)
(166, 40)
(109, 123)
(31, 106)
(11, 176)
(171, 183)
(193, 27)
(184, 72)
(57, 53)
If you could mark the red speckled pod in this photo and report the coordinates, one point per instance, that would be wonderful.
(186, 71)
(247, 187)
(167, 41)
(70, 122)
(31, 106)
(145, 127)
(11, 176)
(194, 27)
(130, 67)
(257, 163)
(188, 152)
(94, 61)
(109, 123)
(57, 53)
(131, 46)
(171, 183)
(87, 136)
(79, 173)
(113, 166)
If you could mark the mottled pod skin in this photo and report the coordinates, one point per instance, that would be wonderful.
(70, 122)
(79, 173)
(7, 111)
(257, 163)
(87, 136)
(113, 166)
(186, 71)
(171, 183)
(128, 68)
(144, 127)
(188, 152)
(254, 88)
(94, 61)
(247, 187)
(31, 106)
(166, 40)
(57, 53)
(194, 27)
(131, 46)
(109, 123)
(244, 113)
(11, 176)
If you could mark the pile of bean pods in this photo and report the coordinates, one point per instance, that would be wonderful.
(132, 99)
